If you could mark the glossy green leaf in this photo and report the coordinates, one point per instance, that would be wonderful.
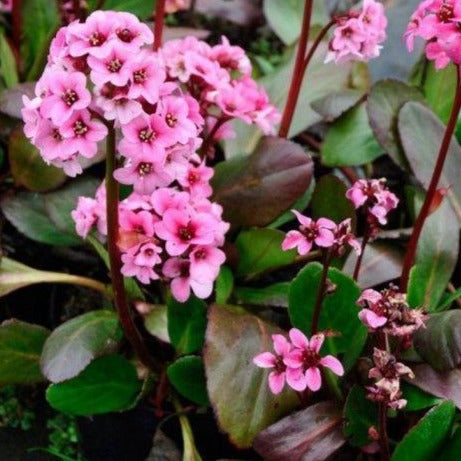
(453, 447)
(140, 8)
(156, 321)
(27, 166)
(329, 200)
(238, 390)
(335, 104)
(20, 347)
(417, 399)
(436, 257)
(108, 384)
(339, 311)
(46, 218)
(272, 295)
(224, 285)
(320, 80)
(386, 99)
(74, 344)
(449, 300)
(417, 123)
(187, 375)
(428, 437)
(187, 324)
(260, 250)
(9, 71)
(245, 186)
(350, 141)
(359, 414)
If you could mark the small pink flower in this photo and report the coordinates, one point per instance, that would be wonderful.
(113, 68)
(197, 180)
(85, 216)
(140, 260)
(205, 262)
(319, 232)
(131, 32)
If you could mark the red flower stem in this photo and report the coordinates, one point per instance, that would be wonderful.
(320, 293)
(297, 78)
(358, 264)
(382, 431)
(208, 142)
(120, 299)
(77, 9)
(17, 24)
(159, 23)
(432, 190)
(316, 44)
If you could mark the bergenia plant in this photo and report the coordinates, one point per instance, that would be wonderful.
(256, 221)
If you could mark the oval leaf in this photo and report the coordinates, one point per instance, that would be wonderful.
(335, 104)
(428, 437)
(256, 190)
(108, 384)
(308, 435)
(74, 344)
(238, 390)
(20, 347)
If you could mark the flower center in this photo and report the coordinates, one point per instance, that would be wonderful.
(144, 168)
(146, 135)
(193, 177)
(80, 128)
(140, 76)
(280, 367)
(446, 12)
(171, 120)
(96, 39)
(56, 135)
(114, 66)
(311, 233)
(310, 358)
(125, 35)
(200, 254)
(186, 233)
(70, 97)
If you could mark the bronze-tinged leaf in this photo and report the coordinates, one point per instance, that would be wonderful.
(256, 190)
(11, 100)
(242, 12)
(238, 389)
(313, 434)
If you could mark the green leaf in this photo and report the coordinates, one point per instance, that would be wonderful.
(156, 321)
(224, 285)
(447, 302)
(339, 311)
(285, 17)
(272, 295)
(320, 80)
(386, 99)
(27, 166)
(436, 257)
(350, 141)
(245, 186)
(329, 200)
(261, 250)
(335, 104)
(428, 437)
(187, 375)
(417, 123)
(20, 348)
(439, 344)
(14, 275)
(141, 8)
(187, 324)
(453, 448)
(9, 71)
(417, 399)
(360, 414)
(238, 390)
(108, 384)
(74, 344)
(46, 218)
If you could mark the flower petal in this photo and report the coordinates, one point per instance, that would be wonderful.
(276, 382)
(265, 360)
(313, 379)
(296, 379)
(298, 338)
(316, 342)
(333, 364)
(281, 344)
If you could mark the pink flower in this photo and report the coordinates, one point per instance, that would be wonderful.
(85, 216)
(31, 116)
(279, 376)
(319, 232)
(180, 230)
(131, 32)
(232, 58)
(6, 6)
(67, 93)
(113, 68)
(205, 262)
(306, 355)
(197, 180)
(140, 260)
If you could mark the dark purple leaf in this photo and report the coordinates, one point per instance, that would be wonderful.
(256, 190)
(313, 434)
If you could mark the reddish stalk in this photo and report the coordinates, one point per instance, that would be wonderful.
(297, 78)
(321, 293)
(159, 23)
(358, 264)
(382, 430)
(120, 298)
(77, 9)
(17, 24)
(208, 142)
(432, 190)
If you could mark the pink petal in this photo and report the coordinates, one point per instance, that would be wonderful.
(316, 342)
(298, 338)
(294, 359)
(370, 319)
(325, 238)
(296, 379)
(292, 240)
(313, 379)
(276, 382)
(265, 360)
(326, 223)
(333, 364)
(304, 220)
(281, 344)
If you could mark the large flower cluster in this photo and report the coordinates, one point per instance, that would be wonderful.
(359, 34)
(437, 22)
(297, 362)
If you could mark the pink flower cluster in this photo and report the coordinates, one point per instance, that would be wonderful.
(437, 22)
(387, 373)
(6, 6)
(359, 34)
(375, 197)
(297, 362)
(172, 234)
(323, 233)
(172, 6)
(389, 312)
